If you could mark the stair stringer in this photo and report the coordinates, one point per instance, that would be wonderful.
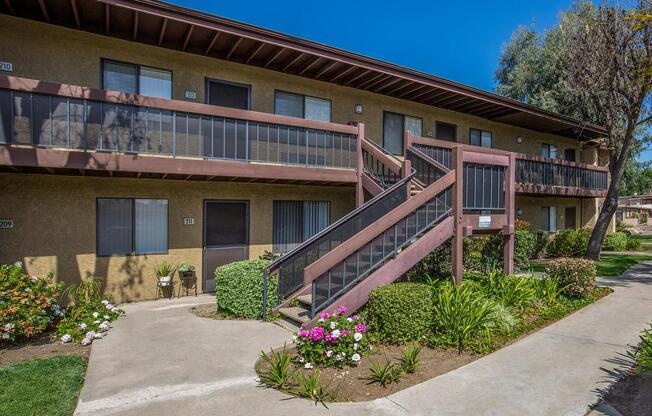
(357, 296)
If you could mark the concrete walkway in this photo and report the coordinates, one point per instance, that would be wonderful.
(162, 360)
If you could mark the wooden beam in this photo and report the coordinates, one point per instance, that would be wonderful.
(44, 10)
(372, 80)
(360, 75)
(75, 13)
(425, 93)
(233, 48)
(293, 61)
(326, 69)
(255, 52)
(276, 55)
(107, 19)
(389, 84)
(161, 35)
(343, 73)
(212, 43)
(447, 100)
(10, 7)
(497, 113)
(187, 39)
(136, 17)
(308, 67)
(411, 90)
(471, 108)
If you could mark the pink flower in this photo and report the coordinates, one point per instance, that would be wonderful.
(304, 333)
(316, 333)
(342, 309)
(361, 327)
(324, 315)
(355, 317)
(345, 332)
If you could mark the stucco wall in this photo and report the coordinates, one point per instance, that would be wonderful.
(55, 223)
(56, 54)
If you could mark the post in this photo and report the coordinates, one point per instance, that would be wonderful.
(407, 169)
(359, 190)
(264, 314)
(457, 245)
(407, 142)
(510, 203)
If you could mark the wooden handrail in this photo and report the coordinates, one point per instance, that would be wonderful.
(79, 92)
(392, 164)
(341, 252)
(524, 156)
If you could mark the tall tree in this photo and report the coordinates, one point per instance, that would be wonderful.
(595, 65)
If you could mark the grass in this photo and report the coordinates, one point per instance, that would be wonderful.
(607, 265)
(42, 387)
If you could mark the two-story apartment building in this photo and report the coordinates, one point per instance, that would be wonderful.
(135, 132)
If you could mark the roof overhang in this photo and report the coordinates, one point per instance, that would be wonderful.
(169, 26)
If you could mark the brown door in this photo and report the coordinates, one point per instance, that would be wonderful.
(569, 218)
(226, 236)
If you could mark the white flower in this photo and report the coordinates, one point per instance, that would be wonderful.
(104, 326)
(34, 278)
(355, 346)
(355, 357)
(349, 319)
(108, 306)
(357, 336)
(9, 326)
(300, 359)
(105, 302)
(294, 338)
(66, 338)
(339, 356)
(320, 320)
(90, 334)
(335, 333)
(98, 335)
(95, 314)
(96, 322)
(329, 353)
(83, 325)
(333, 325)
(307, 366)
(107, 317)
(5, 335)
(86, 341)
(18, 264)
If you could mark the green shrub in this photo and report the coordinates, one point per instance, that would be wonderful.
(633, 244)
(437, 264)
(643, 353)
(541, 242)
(87, 321)
(576, 276)
(28, 304)
(644, 217)
(524, 245)
(569, 243)
(483, 253)
(239, 288)
(615, 242)
(511, 291)
(400, 312)
(385, 373)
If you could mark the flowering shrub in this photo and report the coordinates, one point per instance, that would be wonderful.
(86, 322)
(334, 342)
(576, 276)
(28, 304)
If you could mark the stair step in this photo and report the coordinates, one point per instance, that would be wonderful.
(288, 325)
(305, 300)
(296, 314)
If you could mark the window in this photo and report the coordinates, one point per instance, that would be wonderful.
(479, 138)
(549, 222)
(296, 105)
(445, 131)
(296, 221)
(131, 226)
(136, 79)
(569, 154)
(228, 94)
(569, 218)
(549, 150)
(394, 127)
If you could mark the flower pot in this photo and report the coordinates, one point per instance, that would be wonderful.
(189, 273)
(165, 280)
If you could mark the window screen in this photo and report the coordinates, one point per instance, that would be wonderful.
(155, 82)
(317, 109)
(549, 220)
(151, 221)
(286, 104)
(480, 138)
(296, 221)
(226, 223)
(120, 77)
(445, 131)
(393, 130)
(413, 125)
(549, 151)
(136, 79)
(569, 154)
(227, 94)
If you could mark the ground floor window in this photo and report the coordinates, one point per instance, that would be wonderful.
(296, 221)
(131, 226)
(549, 218)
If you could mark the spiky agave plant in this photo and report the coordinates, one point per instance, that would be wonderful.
(276, 371)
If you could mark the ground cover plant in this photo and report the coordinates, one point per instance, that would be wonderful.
(239, 289)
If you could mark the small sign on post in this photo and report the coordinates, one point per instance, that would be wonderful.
(189, 221)
(484, 221)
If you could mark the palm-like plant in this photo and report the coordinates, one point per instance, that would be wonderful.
(276, 369)
(84, 292)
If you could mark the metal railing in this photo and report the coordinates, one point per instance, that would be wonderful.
(364, 261)
(47, 120)
(484, 187)
(442, 155)
(377, 169)
(425, 171)
(537, 172)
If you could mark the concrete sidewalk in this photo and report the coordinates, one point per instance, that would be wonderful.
(162, 360)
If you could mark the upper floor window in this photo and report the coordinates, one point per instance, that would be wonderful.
(228, 94)
(445, 131)
(394, 127)
(296, 221)
(549, 150)
(297, 105)
(569, 154)
(480, 138)
(136, 79)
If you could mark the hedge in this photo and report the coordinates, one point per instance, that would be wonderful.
(615, 242)
(569, 243)
(239, 288)
(400, 312)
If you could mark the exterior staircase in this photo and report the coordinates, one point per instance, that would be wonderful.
(415, 207)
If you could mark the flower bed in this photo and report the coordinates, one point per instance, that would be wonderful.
(87, 322)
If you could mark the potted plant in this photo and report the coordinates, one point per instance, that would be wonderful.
(164, 272)
(186, 270)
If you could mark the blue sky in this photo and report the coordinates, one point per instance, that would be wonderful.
(458, 40)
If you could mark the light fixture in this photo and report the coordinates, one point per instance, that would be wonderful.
(519, 211)
(358, 109)
(519, 139)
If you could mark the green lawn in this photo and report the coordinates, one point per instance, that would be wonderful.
(42, 387)
(607, 265)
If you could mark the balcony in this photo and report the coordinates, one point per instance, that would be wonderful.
(70, 129)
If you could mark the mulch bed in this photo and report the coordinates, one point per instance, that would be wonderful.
(352, 385)
(45, 346)
(210, 311)
(632, 395)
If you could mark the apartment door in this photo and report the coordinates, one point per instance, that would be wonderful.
(228, 94)
(569, 218)
(226, 236)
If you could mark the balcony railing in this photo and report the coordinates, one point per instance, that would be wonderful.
(62, 116)
(535, 171)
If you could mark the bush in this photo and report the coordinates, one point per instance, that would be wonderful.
(239, 288)
(400, 312)
(483, 253)
(576, 276)
(511, 291)
(633, 244)
(644, 217)
(642, 354)
(524, 245)
(437, 264)
(615, 242)
(522, 225)
(334, 342)
(569, 243)
(87, 321)
(28, 304)
(541, 242)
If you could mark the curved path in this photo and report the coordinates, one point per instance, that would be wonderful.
(162, 360)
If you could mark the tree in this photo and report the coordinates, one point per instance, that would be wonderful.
(599, 69)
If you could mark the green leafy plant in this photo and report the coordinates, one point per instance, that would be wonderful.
(633, 244)
(511, 291)
(400, 312)
(547, 289)
(577, 276)
(163, 269)
(642, 354)
(524, 246)
(185, 268)
(384, 373)
(540, 244)
(268, 255)
(87, 321)
(239, 289)
(410, 358)
(569, 243)
(312, 388)
(615, 242)
(276, 370)
(86, 291)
